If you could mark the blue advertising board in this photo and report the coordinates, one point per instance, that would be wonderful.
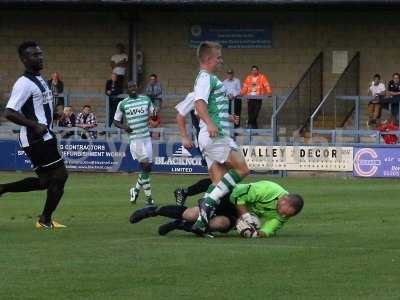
(104, 156)
(377, 162)
(232, 35)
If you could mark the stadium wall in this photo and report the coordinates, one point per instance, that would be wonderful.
(78, 44)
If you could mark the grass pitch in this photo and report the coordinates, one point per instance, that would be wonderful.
(344, 245)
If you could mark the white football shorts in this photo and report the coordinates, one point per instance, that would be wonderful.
(216, 149)
(142, 150)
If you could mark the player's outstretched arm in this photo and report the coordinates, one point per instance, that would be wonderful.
(201, 108)
(186, 140)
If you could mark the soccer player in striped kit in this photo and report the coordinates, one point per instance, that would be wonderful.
(136, 109)
(226, 164)
(31, 106)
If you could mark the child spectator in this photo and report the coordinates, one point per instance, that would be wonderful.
(154, 122)
(389, 126)
(87, 121)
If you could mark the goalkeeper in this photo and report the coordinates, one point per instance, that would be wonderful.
(266, 199)
(269, 202)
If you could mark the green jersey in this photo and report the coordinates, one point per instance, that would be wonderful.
(210, 89)
(136, 112)
(261, 198)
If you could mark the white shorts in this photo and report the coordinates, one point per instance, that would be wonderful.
(142, 150)
(216, 149)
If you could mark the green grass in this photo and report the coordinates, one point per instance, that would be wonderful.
(344, 245)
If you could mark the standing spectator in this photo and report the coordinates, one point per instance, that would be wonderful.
(154, 91)
(87, 120)
(394, 94)
(67, 119)
(112, 90)
(119, 63)
(377, 90)
(232, 86)
(255, 84)
(57, 88)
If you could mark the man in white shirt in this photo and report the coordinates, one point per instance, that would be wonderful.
(119, 63)
(233, 86)
(377, 90)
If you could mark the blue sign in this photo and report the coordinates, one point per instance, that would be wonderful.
(377, 162)
(103, 156)
(232, 36)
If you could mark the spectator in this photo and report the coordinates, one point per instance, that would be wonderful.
(394, 94)
(255, 84)
(57, 88)
(232, 86)
(58, 114)
(112, 90)
(87, 121)
(154, 91)
(154, 122)
(389, 126)
(119, 63)
(377, 90)
(67, 119)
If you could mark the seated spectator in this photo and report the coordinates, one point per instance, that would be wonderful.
(394, 94)
(154, 122)
(389, 126)
(67, 119)
(87, 121)
(58, 114)
(112, 90)
(57, 88)
(377, 90)
(119, 63)
(154, 91)
(255, 84)
(232, 86)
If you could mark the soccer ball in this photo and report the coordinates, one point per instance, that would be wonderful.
(247, 225)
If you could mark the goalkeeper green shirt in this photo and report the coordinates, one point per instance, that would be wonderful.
(261, 198)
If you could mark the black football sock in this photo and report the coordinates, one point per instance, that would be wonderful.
(54, 193)
(171, 211)
(199, 187)
(24, 185)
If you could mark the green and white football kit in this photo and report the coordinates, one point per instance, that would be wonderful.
(211, 90)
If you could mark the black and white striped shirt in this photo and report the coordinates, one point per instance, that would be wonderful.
(32, 97)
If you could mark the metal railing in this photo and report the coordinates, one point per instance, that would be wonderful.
(333, 112)
(300, 103)
(166, 134)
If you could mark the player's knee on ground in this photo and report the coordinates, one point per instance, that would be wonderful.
(220, 223)
(146, 166)
(191, 214)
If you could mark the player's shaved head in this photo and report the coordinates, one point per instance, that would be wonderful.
(206, 49)
(24, 46)
(296, 201)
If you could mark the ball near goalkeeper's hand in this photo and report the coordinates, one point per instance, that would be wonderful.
(247, 225)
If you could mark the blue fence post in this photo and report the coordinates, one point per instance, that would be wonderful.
(107, 100)
(357, 121)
